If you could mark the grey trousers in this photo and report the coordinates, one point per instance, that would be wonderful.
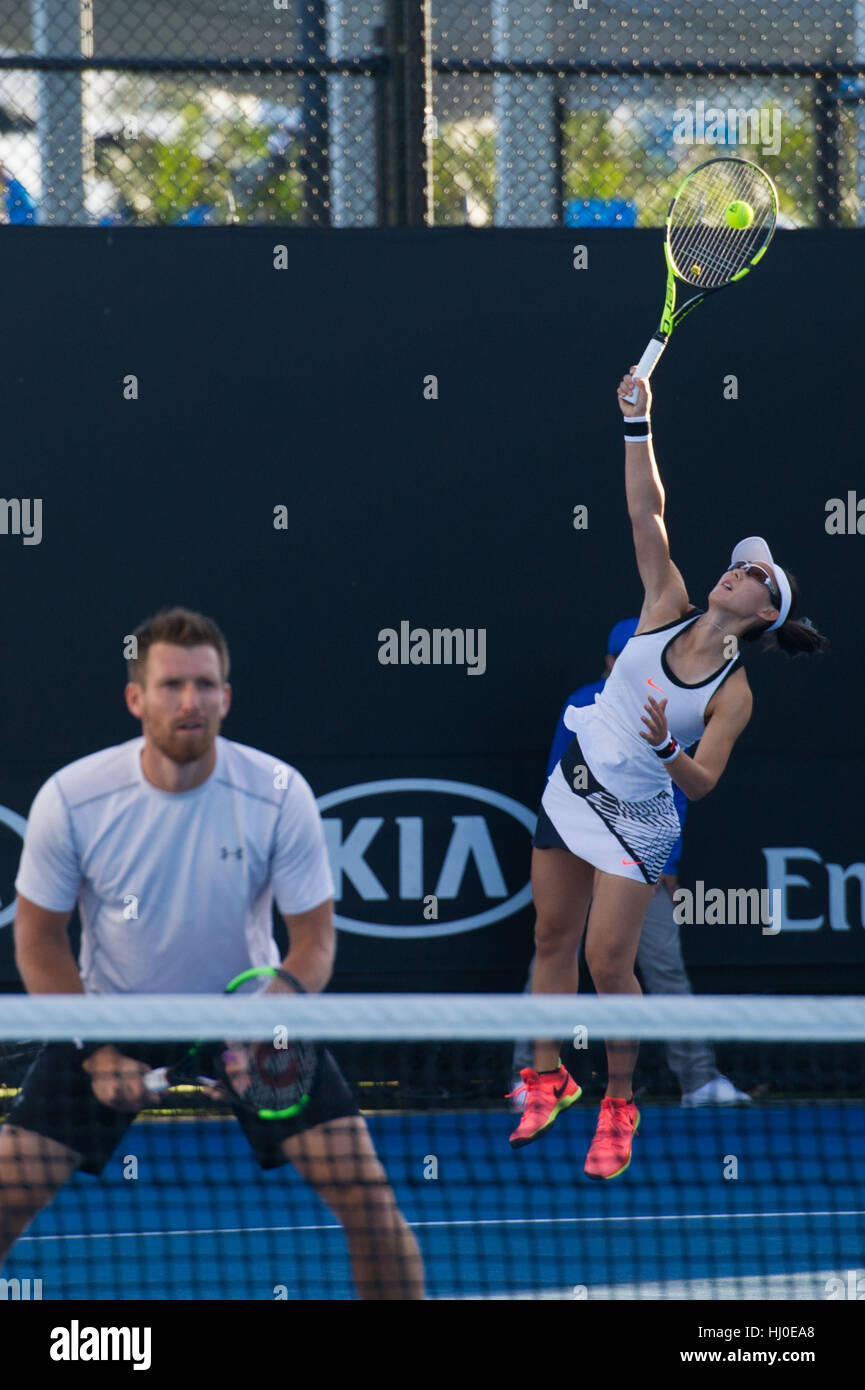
(662, 970)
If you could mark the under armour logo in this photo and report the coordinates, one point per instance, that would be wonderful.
(225, 852)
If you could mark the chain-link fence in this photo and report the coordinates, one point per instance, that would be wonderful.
(351, 113)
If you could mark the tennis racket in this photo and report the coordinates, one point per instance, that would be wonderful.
(719, 224)
(15, 1058)
(266, 1078)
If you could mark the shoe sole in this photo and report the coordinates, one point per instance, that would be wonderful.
(605, 1177)
(562, 1105)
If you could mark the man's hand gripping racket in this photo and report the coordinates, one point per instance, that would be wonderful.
(270, 1078)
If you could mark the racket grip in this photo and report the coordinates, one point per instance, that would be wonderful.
(646, 364)
(157, 1080)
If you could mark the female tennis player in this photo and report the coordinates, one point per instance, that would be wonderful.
(608, 819)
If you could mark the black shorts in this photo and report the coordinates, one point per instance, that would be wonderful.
(57, 1101)
(546, 834)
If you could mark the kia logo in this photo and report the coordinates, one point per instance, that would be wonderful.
(440, 860)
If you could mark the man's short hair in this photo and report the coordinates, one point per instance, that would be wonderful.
(182, 628)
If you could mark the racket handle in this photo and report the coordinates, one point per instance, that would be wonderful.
(646, 364)
(157, 1080)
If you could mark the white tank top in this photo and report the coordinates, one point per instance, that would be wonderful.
(609, 730)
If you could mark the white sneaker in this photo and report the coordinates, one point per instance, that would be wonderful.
(720, 1091)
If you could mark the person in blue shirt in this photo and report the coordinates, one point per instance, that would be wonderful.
(19, 206)
(659, 955)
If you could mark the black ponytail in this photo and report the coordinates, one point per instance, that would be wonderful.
(795, 637)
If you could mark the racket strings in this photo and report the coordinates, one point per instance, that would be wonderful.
(709, 256)
(273, 1077)
(712, 261)
(19, 1051)
(705, 197)
(705, 250)
(15, 1058)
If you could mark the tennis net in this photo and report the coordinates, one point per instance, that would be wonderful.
(763, 1199)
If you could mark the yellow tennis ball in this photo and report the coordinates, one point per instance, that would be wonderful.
(739, 215)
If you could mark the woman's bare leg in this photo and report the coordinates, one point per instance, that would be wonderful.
(562, 890)
(612, 937)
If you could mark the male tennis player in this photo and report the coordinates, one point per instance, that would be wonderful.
(200, 833)
(608, 820)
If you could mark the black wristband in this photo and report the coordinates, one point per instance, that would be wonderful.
(636, 431)
(291, 979)
(669, 750)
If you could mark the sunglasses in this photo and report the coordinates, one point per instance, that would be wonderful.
(755, 572)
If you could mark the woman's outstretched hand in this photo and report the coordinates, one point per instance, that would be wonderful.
(643, 404)
(656, 722)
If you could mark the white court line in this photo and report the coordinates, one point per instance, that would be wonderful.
(775, 1288)
(428, 1225)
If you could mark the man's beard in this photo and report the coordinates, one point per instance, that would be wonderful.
(182, 748)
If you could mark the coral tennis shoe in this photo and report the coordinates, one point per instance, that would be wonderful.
(610, 1152)
(547, 1094)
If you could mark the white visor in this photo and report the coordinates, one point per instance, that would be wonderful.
(755, 548)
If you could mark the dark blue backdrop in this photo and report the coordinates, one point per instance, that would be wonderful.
(304, 387)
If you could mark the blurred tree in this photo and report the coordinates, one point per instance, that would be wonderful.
(218, 164)
(206, 171)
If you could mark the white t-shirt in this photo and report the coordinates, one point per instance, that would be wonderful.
(175, 890)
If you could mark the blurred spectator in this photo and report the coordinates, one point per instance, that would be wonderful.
(18, 206)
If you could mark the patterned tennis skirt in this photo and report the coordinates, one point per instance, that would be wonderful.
(631, 839)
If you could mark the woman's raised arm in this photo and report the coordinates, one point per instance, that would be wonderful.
(662, 581)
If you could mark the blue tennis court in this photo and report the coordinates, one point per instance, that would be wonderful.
(763, 1202)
